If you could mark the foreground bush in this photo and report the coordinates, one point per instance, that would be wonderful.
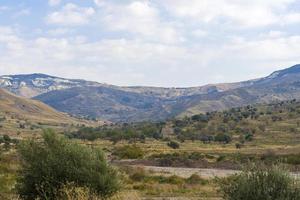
(48, 166)
(260, 183)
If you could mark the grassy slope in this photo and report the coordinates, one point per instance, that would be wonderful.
(25, 115)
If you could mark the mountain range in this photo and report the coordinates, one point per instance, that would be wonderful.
(131, 104)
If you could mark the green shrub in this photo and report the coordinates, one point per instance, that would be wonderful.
(173, 144)
(138, 175)
(48, 165)
(196, 179)
(129, 152)
(221, 137)
(238, 145)
(249, 137)
(293, 159)
(175, 180)
(6, 138)
(260, 183)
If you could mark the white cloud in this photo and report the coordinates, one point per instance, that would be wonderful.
(291, 18)
(3, 8)
(239, 13)
(59, 31)
(275, 34)
(71, 15)
(99, 2)
(137, 62)
(23, 12)
(268, 49)
(159, 42)
(142, 19)
(54, 2)
(199, 33)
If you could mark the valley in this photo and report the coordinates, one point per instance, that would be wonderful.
(150, 100)
(185, 143)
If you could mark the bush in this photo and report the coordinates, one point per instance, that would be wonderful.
(260, 183)
(175, 180)
(71, 191)
(138, 176)
(221, 137)
(292, 159)
(196, 179)
(49, 165)
(173, 145)
(238, 145)
(6, 138)
(129, 152)
(249, 137)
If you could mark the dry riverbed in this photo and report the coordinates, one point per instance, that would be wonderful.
(187, 172)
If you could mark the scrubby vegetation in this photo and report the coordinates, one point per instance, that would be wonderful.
(265, 134)
(8, 171)
(244, 122)
(128, 152)
(116, 133)
(5, 139)
(239, 125)
(155, 184)
(173, 145)
(261, 182)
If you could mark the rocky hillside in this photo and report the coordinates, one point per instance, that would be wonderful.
(128, 104)
(30, 85)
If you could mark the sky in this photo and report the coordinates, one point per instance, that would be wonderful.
(169, 43)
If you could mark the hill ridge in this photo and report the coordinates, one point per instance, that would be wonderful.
(139, 103)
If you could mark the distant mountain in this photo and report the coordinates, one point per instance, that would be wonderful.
(106, 103)
(280, 85)
(109, 102)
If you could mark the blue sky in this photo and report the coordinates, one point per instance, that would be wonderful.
(154, 42)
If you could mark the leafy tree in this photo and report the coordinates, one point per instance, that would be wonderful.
(221, 137)
(48, 165)
(206, 138)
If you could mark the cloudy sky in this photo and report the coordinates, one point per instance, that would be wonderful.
(154, 42)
